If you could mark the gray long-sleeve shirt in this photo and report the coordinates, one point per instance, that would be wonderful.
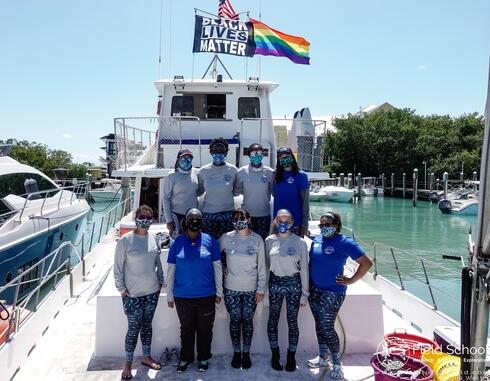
(287, 256)
(137, 266)
(219, 184)
(179, 193)
(245, 262)
(256, 187)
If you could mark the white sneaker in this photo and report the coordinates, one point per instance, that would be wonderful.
(318, 362)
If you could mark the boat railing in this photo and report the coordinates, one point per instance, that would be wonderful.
(77, 192)
(23, 295)
(413, 272)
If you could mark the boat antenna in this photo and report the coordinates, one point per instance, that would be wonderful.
(160, 42)
(170, 42)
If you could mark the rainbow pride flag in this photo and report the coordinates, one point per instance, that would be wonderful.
(271, 42)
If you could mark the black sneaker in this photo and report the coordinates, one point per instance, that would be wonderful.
(203, 365)
(246, 361)
(182, 367)
(236, 361)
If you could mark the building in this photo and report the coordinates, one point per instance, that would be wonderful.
(371, 109)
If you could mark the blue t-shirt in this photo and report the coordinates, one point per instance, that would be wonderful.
(194, 273)
(327, 260)
(287, 194)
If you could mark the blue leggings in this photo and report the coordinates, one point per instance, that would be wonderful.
(325, 306)
(261, 226)
(280, 287)
(216, 224)
(241, 307)
(139, 311)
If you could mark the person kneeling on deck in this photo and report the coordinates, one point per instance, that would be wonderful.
(217, 179)
(139, 277)
(180, 192)
(245, 282)
(328, 285)
(255, 182)
(194, 285)
(287, 257)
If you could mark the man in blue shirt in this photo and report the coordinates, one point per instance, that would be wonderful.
(328, 285)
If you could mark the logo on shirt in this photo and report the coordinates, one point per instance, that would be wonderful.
(329, 250)
(250, 250)
(291, 251)
(264, 179)
(204, 253)
(227, 177)
(290, 180)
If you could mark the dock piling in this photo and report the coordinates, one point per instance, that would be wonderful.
(445, 178)
(415, 186)
(342, 180)
(404, 184)
(349, 180)
(475, 176)
(392, 184)
(359, 185)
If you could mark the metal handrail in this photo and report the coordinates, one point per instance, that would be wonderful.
(52, 266)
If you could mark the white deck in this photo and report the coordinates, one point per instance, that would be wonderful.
(66, 350)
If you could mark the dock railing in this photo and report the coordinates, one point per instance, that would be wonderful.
(42, 278)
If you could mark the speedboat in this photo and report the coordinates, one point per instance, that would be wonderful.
(463, 206)
(369, 188)
(36, 217)
(337, 194)
(110, 191)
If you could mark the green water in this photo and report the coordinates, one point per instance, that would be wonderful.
(422, 230)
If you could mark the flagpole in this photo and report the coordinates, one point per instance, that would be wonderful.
(260, 19)
(160, 42)
(170, 42)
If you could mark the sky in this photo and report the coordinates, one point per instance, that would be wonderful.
(68, 68)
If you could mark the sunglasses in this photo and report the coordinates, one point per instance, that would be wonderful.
(254, 153)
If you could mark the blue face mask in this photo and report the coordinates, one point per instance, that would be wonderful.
(256, 159)
(328, 231)
(240, 225)
(185, 163)
(286, 161)
(218, 158)
(283, 227)
(143, 223)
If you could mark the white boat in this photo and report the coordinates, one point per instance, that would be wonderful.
(463, 206)
(332, 193)
(369, 188)
(36, 216)
(110, 191)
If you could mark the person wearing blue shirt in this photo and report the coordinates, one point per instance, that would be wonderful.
(194, 285)
(291, 190)
(328, 285)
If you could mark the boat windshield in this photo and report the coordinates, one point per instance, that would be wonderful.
(22, 184)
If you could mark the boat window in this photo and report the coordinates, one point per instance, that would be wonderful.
(15, 183)
(248, 107)
(203, 106)
(28, 280)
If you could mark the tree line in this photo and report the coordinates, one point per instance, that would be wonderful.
(44, 159)
(399, 141)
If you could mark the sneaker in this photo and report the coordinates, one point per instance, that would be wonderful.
(182, 367)
(246, 361)
(236, 362)
(337, 373)
(203, 365)
(318, 362)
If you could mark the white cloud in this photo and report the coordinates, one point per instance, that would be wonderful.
(422, 67)
(67, 136)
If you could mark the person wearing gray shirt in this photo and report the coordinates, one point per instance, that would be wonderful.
(245, 282)
(180, 192)
(287, 259)
(138, 277)
(255, 182)
(217, 179)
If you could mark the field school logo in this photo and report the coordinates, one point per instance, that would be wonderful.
(227, 177)
(264, 179)
(291, 251)
(329, 250)
(250, 250)
(290, 180)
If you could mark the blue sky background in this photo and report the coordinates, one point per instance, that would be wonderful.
(67, 68)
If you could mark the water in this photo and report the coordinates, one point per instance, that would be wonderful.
(421, 230)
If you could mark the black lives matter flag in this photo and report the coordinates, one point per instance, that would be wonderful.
(223, 36)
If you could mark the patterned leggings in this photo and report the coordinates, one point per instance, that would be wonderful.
(325, 306)
(139, 311)
(241, 307)
(216, 224)
(280, 287)
(261, 226)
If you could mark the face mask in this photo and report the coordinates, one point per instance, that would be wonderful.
(185, 163)
(256, 159)
(328, 231)
(143, 223)
(218, 158)
(283, 227)
(286, 161)
(194, 225)
(240, 225)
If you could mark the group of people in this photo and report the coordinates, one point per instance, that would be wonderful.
(238, 255)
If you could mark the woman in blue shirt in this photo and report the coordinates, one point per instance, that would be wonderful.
(328, 285)
(291, 190)
(194, 285)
